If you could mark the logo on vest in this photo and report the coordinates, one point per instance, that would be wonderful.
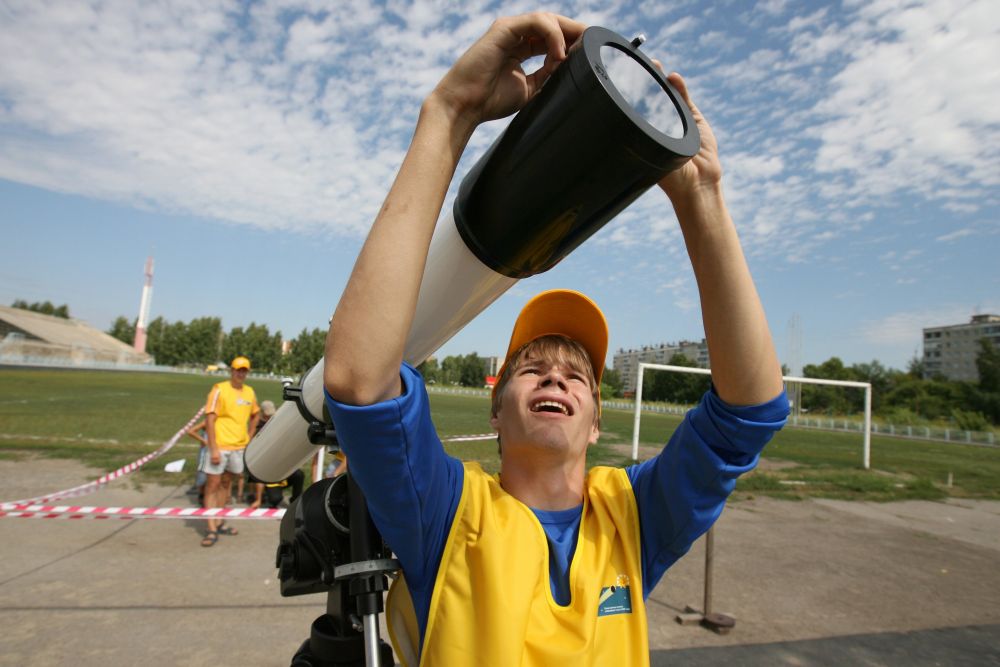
(615, 599)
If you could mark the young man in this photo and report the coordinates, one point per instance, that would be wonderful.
(545, 562)
(231, 415)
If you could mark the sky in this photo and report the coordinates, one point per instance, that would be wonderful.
(247, 147)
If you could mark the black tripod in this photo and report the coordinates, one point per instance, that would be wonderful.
(328, 543)
(320, 551)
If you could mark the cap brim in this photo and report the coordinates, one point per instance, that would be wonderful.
(567, 313)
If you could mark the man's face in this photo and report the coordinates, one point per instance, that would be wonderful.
(238, 376)
(547, 403)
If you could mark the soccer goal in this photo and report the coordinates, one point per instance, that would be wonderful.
(866, 429)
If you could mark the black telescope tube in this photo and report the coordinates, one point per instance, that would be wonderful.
(573, 158)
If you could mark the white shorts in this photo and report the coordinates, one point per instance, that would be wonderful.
(230, 460)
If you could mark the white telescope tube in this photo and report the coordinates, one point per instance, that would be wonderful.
(456, 287)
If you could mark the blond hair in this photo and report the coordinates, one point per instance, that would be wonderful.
(553, 347)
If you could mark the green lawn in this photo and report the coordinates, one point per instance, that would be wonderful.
(108, 419)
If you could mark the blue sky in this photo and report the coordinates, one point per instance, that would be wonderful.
(249, 146)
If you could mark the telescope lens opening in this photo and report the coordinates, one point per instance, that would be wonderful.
(642, 91)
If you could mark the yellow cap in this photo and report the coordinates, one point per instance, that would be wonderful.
(567, 313)
(241, 362)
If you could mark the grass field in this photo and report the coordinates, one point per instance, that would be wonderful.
(108, 419)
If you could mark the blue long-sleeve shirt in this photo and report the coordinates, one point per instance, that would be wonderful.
(413, 487)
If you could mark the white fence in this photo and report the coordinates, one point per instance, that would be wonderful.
(934, 433)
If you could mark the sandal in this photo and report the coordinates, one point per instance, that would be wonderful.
(227, 530)
(211, 537)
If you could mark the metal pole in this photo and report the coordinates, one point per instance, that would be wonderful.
(868, 427)
(635, 421)
(371, 640)
(709, 549)
(318, 474)
(719, 623)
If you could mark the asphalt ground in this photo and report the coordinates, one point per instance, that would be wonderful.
(808, 583)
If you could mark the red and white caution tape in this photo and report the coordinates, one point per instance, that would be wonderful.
(81, 512)
(464, 438)
(90, 487)
(34, 508)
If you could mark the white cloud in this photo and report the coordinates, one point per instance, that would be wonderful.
(771, 6)
(955, 235)
(294, 114)
(904, 328)
(280, 118)
(797, 23)
(749, 167)
(917, 108)
(715, 40)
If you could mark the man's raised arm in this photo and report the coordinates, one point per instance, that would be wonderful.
(745, 368)
(369, 329)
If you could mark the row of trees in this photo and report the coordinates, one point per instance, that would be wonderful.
(906, 397)
(685, 388)
(903, 397)
(202, 341)
(44, 307)
(467, 370)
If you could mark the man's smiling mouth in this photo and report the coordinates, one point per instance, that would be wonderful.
(551, 406)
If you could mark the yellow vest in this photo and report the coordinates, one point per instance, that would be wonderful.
(492, 603)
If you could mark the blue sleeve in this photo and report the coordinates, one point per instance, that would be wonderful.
(681, 491)
(412, 486)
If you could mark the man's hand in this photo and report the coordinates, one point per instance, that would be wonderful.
(745, 369)
(703, 171)
(487, 82)
(215, 456)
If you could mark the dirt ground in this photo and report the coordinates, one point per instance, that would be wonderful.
(808, 582)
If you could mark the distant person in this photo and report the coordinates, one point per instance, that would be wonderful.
(198, 432)
(231, 415)
(272, 495)
(338, 464)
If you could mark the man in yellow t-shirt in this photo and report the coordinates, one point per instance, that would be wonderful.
(231, 416)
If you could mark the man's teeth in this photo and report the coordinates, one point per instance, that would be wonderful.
(550, 404)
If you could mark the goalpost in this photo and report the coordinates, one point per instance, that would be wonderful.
(867, 430)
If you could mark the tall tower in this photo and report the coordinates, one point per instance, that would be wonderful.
(147, 297)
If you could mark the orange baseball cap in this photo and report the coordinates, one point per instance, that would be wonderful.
(562, 312)
(240, 362)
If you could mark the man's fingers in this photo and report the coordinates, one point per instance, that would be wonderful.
(677, 81)
(540, 33)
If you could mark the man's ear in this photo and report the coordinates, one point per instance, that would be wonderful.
(495, 423)
(595, 433)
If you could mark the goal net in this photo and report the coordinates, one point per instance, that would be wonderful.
(794, 386)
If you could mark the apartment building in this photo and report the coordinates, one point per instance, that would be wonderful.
(626, 362)
(951, 350)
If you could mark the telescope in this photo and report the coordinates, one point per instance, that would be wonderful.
(605, 127)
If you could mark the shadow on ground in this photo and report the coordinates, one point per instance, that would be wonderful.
(973, 645)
